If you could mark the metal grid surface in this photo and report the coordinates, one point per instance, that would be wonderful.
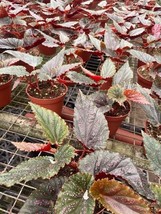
(14, 126)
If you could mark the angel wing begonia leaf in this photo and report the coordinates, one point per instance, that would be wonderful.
(90, 125)
(74, 196)
(118, 166)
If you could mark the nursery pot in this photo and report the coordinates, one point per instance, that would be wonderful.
(5, 93)
(114, 122)
(144, 82)
(55, 104)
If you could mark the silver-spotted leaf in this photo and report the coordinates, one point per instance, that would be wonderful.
(118, 198)
(119, 166)
(90, 125)
(153, 152)
(43, 199)
(74, 196)
(54, 127)
(39, 167)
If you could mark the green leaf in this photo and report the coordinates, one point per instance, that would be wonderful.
(54, 127)
(156, 188)
(116, 93)
(74, 196)
(142, 56)
(90, 125)
(44, 198)
(118, 166)
(108, 68)
(39, 167)
(124, 74)
(18, 71)
(79, 78)
(118, 198)
(153, 152)
(27, 58)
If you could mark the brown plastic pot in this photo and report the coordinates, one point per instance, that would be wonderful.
(5, 93)
(114, 122)
(55, 104)
(128, 137)
(143, 81)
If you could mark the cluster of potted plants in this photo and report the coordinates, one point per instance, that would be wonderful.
(70, 34)
(46, 45)
(85, 176)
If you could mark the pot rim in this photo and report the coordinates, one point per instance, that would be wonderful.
(47, 99)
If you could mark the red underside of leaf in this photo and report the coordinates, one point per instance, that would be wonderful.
(94, 77)
(47, 147)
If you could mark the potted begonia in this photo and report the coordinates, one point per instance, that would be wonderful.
(43, 86)
(7, 70)
(81, 176)
(115, 100)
